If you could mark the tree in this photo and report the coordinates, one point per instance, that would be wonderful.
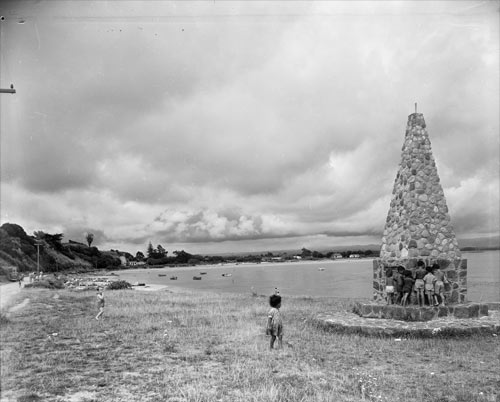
(54, 240)
(317, 254)
(160, 251)
(39, 235)
(139, 256)
(181, 257)
(89, 238)
(306, 253)
(151, 251)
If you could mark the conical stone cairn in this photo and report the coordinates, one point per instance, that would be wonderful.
(418, 223)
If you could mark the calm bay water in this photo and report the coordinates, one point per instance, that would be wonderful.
(341, 278)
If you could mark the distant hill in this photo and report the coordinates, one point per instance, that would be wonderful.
(482, 243)
(19, 250)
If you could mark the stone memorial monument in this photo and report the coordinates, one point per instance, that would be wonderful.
(418, 228)
(418, 224)
(418, 236)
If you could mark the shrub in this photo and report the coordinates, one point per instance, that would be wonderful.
(117, 285)
(3, 319)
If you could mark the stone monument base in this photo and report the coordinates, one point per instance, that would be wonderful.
(416, 313)
(445, 327)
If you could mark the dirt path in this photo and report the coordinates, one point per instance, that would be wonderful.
(7, 292)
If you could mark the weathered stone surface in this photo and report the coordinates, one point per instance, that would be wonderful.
(344, 322)
(443, 312)
(415, 313)
(418, 199)
(474, 310)
(461, 312)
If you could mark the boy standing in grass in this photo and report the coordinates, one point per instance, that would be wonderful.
(274, 321)
(100, 303)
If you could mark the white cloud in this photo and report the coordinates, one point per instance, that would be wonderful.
(240, 122)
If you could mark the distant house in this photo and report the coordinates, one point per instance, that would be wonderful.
(297, 257)
(354, 256)
(136, 263)
(336, 256)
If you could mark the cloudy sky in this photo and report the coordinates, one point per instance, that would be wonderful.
(223, 126)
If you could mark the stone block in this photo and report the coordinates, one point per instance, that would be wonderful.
(461, 312)
(443, 264)
(454, 297)
(443, 311)
(377, 310)
(494, 306)
(412, 314)
(427, 314)
(389, 311)
(473, 310)
(413, 252)
(452, 275)
(483, 310)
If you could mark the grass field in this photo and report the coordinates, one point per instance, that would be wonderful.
(162, 346)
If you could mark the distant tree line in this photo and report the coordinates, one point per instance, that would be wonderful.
(158, 256)
(308, 254)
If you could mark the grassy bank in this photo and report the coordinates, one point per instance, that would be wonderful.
(160, 346)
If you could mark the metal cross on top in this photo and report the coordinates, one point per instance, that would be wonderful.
(415, 107)
(10, 90)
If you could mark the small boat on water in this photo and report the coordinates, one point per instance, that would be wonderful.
(162, 274)
(321, 269)
(226, 274)
(196, 278)
(203, 273)
(173, 278)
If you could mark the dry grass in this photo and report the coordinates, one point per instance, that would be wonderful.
(159, 346)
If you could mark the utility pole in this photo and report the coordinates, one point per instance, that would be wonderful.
(38, 243)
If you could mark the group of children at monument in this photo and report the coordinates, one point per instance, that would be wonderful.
(426, 282)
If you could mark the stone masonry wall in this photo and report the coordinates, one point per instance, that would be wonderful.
(456, 271)
(418, 223)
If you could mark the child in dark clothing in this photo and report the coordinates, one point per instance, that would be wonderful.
(398, 283)
(408, 282)
(419, 282)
